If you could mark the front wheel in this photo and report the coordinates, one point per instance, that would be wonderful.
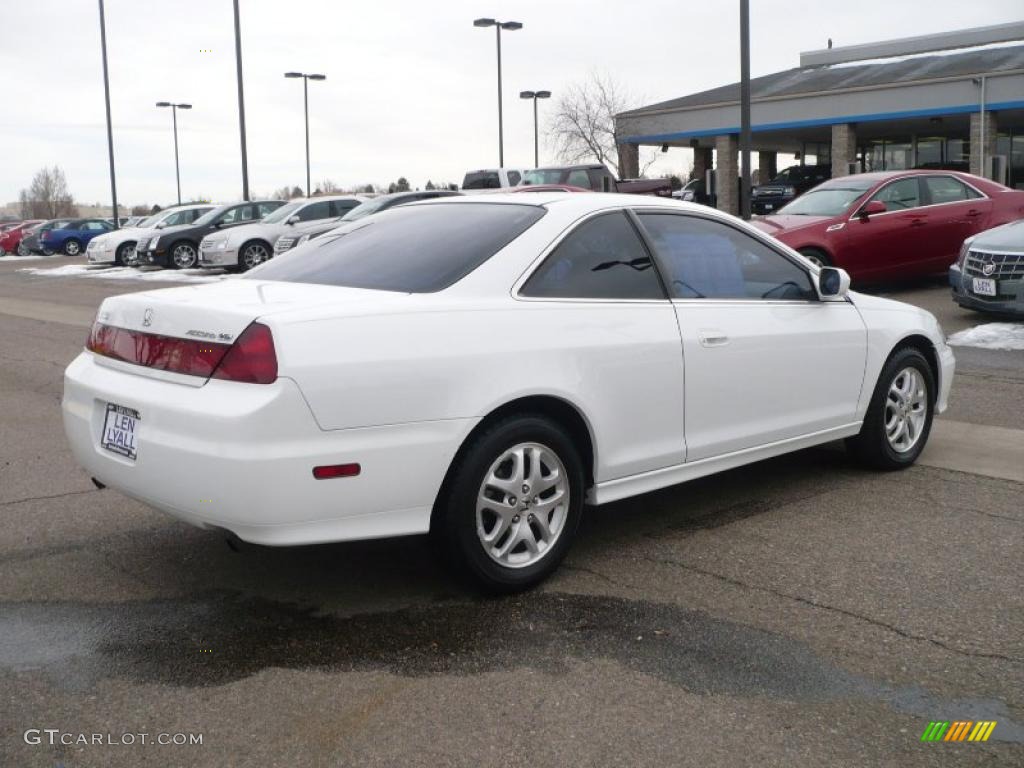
(899, 417)
(252, 255)
(23, 250)
(124, 254)
(512, 505)
(183, 256)
(817, 257)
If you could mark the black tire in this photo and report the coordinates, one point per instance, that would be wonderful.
(120, 258)
(454, 525)
(871, 446)
(72, 247)
(816, 255)
(23, 250)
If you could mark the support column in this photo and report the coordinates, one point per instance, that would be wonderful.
(629, 161)
(844, 148)
(977, 141)
(703, 161)
(767, 166)
(727, 173)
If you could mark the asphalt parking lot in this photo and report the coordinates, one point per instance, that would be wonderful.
(799, 612)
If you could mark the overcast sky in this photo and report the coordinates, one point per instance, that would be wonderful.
(410, 86)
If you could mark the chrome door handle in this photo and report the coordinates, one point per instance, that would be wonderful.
(713, 338)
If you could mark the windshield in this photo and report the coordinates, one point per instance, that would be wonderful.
(209, 216)
(408, 248)
(826, 201)
(282, 213)
(365, 209)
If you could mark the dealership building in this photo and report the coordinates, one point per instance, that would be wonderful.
(953, 100)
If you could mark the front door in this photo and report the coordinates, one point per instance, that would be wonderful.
(891, 244)
(766, 360)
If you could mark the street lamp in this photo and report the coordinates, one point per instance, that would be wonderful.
(305, 98)
(535, 95)
(511, 26)
(174, 116)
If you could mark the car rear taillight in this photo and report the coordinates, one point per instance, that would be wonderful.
(165, 353)
(251, 358)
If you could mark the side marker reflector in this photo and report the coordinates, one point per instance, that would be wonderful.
(336, 470)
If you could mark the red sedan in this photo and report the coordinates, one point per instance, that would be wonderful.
(11, 237)
(892, 225)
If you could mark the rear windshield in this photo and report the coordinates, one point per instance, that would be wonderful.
(481, 180)
(409, 248)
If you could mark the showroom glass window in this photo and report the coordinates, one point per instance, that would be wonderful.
(707, 259)
(603, 258)
(900, 195)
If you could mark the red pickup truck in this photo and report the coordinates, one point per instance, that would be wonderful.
(597, 178)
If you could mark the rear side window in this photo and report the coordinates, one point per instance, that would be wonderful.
(513, 178)
(603, 258)
(946, 189)
(408, 248)
(706, 259)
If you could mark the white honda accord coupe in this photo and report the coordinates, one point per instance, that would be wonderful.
(483, 367)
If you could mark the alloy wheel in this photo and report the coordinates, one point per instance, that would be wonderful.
(184, 256)
(522, 505)
(254, 255)
(71, 248)
(23, 250)
(906, 409)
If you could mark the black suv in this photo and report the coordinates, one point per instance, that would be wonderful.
(786, 186)
(178, 247)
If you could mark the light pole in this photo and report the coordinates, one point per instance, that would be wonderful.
(535, 95)
(110, 131)
(744, 109)
(174, 116)
(241, 104)
(305, 99)
(511, 26)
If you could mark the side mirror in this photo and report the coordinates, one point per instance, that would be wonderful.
(293, 219)
(871, 208)
(833, 283)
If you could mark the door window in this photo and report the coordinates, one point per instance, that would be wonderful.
(578, 178)
(238, 215)
(603, 258)
(513, 178)
(900, 195)
(341, 207)
(314, 211)
(264, 209)
(707, 259)
(946, 189)
(178, 217)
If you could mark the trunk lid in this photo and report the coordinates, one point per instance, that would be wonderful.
(220, 311)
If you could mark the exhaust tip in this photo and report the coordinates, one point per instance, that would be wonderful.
(97, 483)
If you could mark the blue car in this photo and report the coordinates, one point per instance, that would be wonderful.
(72, 238)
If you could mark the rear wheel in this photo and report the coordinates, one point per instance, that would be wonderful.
(124, 253)
(816, 256)
(512, 504)
(183, 255)
(899, 417)
(2, 251)
(72, 247)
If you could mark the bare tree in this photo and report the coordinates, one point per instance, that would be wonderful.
(47, 196)
(327, 187)
(582, 127)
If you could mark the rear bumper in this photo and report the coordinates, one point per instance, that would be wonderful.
(240, 457)
(969, 300)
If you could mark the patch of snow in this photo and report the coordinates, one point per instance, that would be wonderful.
(1004, 336)
(128, 273)
(33, 257)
